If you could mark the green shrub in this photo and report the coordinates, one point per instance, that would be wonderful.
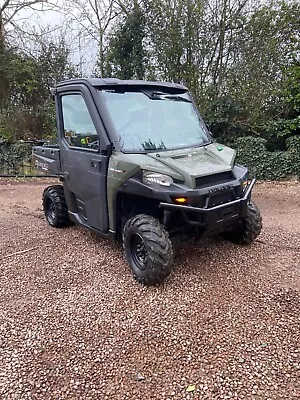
(13, 156)
(293, 154)
(267, 165)
(5, 134)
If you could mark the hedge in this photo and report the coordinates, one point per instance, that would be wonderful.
(264, 164)
(13, 156)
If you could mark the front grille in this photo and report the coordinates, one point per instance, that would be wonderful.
(221, 198)
(216, 198)
(211, 180)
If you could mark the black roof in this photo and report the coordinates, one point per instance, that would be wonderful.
(109, 82)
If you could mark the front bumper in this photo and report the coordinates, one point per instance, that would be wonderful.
(216, 218)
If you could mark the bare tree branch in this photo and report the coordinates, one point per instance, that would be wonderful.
(95, 18)
(6, 3)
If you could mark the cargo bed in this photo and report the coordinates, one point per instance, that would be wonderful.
(47, 159)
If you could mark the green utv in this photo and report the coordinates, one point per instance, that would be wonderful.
(137, 163)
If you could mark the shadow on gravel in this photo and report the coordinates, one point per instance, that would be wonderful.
(213, 253)
(206, 259)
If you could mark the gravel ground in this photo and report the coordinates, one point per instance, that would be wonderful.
(75, 325)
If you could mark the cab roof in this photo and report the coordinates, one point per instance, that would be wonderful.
(111, 82)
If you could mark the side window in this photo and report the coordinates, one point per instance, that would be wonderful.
(79, 129)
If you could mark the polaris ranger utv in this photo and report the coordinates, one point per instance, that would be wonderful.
(137, 163)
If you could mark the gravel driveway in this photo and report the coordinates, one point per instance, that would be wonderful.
(75, 325)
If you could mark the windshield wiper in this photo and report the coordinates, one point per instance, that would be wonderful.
(150, 146)
(177, 98)
(158, 95)
(163, 96)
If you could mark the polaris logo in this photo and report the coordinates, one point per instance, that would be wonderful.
(41, 165)
(221, 189)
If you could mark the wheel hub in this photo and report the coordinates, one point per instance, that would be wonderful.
(139, 252)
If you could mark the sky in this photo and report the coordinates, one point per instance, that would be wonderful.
(38, 17)
(83, 51)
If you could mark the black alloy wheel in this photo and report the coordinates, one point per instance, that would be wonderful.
(148, 249)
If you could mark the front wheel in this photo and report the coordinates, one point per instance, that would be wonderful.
(248, 228)
(148, 249)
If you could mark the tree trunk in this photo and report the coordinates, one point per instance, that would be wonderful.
(101, 55)
(2, 44)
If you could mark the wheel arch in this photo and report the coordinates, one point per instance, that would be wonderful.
(128, 205)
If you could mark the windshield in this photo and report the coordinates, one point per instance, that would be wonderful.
(147, 120)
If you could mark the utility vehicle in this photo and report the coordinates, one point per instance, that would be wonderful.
(137, 163)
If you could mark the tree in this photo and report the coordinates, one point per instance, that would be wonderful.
(172, 31)
(192, 41)
(267, 46)
(9, 11)
(26, 106)
(291, 90)
(126, 57)
(94, 18)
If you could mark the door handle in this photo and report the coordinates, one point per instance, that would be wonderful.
(66, 176)
(96, 163)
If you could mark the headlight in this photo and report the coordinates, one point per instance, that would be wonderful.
(154, 177)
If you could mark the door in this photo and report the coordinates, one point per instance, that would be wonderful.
(83, 159)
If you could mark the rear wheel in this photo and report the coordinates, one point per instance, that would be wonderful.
(248, 229)
(55, 207)
(148, 249)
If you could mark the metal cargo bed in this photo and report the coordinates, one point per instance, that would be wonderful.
(46, 159)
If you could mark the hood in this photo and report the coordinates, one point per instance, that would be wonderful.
(182, 165)
(196, 162)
